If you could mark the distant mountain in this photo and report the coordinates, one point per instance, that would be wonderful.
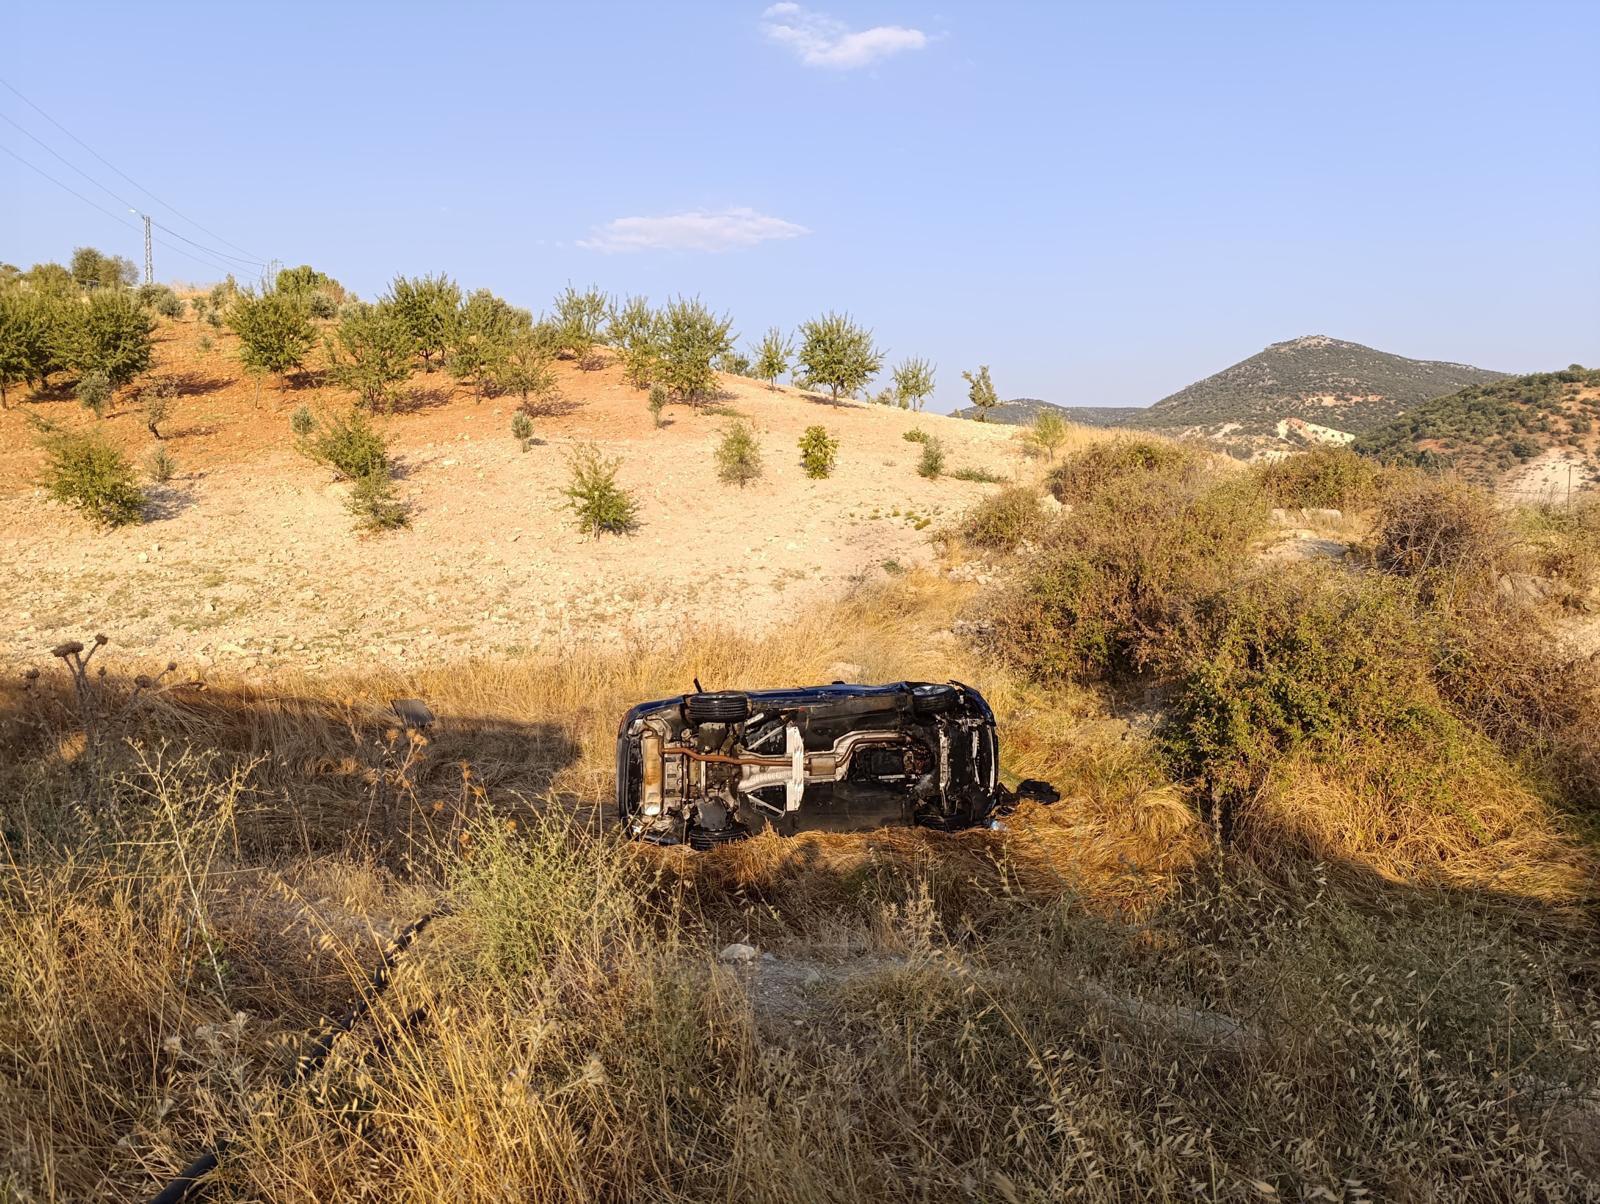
(1020, 411)
(1526, 434)
(1307, 390)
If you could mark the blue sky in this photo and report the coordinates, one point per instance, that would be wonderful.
(1102, 202)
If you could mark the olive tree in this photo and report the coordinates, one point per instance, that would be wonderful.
(692, 338)
(913, 382)
(581, 319)
(481, 338)
(370, 352)
(837, 355)
(26, 350)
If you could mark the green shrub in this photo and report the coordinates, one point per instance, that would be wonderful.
(274, 329)
(1105, 593)
(915, 435)
(86, 472)
(837, 355)
(818, 451)
(635, 331)
(1323, 477)
(371, 353)
(738, 454)
(205, 343)
(980, 475)
(932, 462)
(426, 307)
(522, 429)
(94, 391)
(1005, 520)
(349, 444)
(111, 333)
(159, 465)
(658, 403)
(580, 320)
(375, 504)
(321, 305)
(597, 502)
(160, 299)
(980, 391)
(772, 356)
(692, 338)
(1085, 473)
(302, 422)
(1048, 432)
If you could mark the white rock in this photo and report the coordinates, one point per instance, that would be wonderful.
(739, 953)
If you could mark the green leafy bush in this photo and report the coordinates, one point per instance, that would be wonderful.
(522, 429)
(302, 422)
(85, 471)
(375, 504)
(658, 404)
(818, 450)
(580, 320)
(772, 356)
(635, 331)
(913, 383)
(837, 355)
(915, 435)
(1323, 477)
(94, 391)
(692, 339)
(349, 444)
(110, 333)
(932, 462)
(274, 329)
(371, 353)
(426, 307)
(159, 465)
(597, 502)
(738, 454)
(1005, 520)
(1104, 464)
(981, 476)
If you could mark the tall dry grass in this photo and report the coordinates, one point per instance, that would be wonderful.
(1095, 1003)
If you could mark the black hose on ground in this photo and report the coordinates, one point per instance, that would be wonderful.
(190, 1183)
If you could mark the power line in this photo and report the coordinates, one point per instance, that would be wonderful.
(253, 257)
(210, 263)
(250, 263)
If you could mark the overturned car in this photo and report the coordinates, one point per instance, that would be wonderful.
(706, 768)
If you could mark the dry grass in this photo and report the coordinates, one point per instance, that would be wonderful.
(1092, 1004)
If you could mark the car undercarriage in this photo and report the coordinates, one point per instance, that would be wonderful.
(708, 768)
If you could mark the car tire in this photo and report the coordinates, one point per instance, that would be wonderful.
(933, 699)
(724, 707)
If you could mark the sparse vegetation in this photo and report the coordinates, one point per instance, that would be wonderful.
(155, 404)
(94, 391)
(980, 476)
(915, 435)
(159, 465)
(931, 463)
(522, 430)
(1326, 477)
(1048, 432)
(376, 504)
(738, 454)
(347, 443)
(818, 450)
(1088, 473)
(658, 405)
(426, 307)
(635, 331)
(85, 471)
(580, 320)
(597, 502)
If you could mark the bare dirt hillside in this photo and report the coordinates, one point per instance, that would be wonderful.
(249, 560)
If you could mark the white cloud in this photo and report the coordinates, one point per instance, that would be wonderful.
(700, 230)
(819, 40)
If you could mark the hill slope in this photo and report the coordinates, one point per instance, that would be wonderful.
(1524, 434)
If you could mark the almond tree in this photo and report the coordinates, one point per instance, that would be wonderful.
(772, 357)
(371, 353)
(913, 382)
(635, 331)
(427, 306)
(980, 391)
(837, 355)
(692, 338)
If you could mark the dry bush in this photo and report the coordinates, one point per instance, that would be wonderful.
(1322, 477)
(1562, 543)
(1118, 463)
(1004, 520)
(1441, 531)
(1093, 1004)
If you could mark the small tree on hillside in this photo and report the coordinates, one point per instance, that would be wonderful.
(85, 471)
(772, 356)
(581, 319)
(526, 370)
(913, 382)
(692, 337)
(738, 454)
(481, 339)
(837, 355)
(274, 329)
(635, 331)
(92, 269)
(1049, 432)
(370, 352)
(305, 280)
(25, 349)
(427, 305)
(980, 391)
(110, 333)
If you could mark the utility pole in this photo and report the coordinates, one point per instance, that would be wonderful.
(149, 262)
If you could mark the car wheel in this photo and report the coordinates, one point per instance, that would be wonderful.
(931, 699)
(725, 707)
